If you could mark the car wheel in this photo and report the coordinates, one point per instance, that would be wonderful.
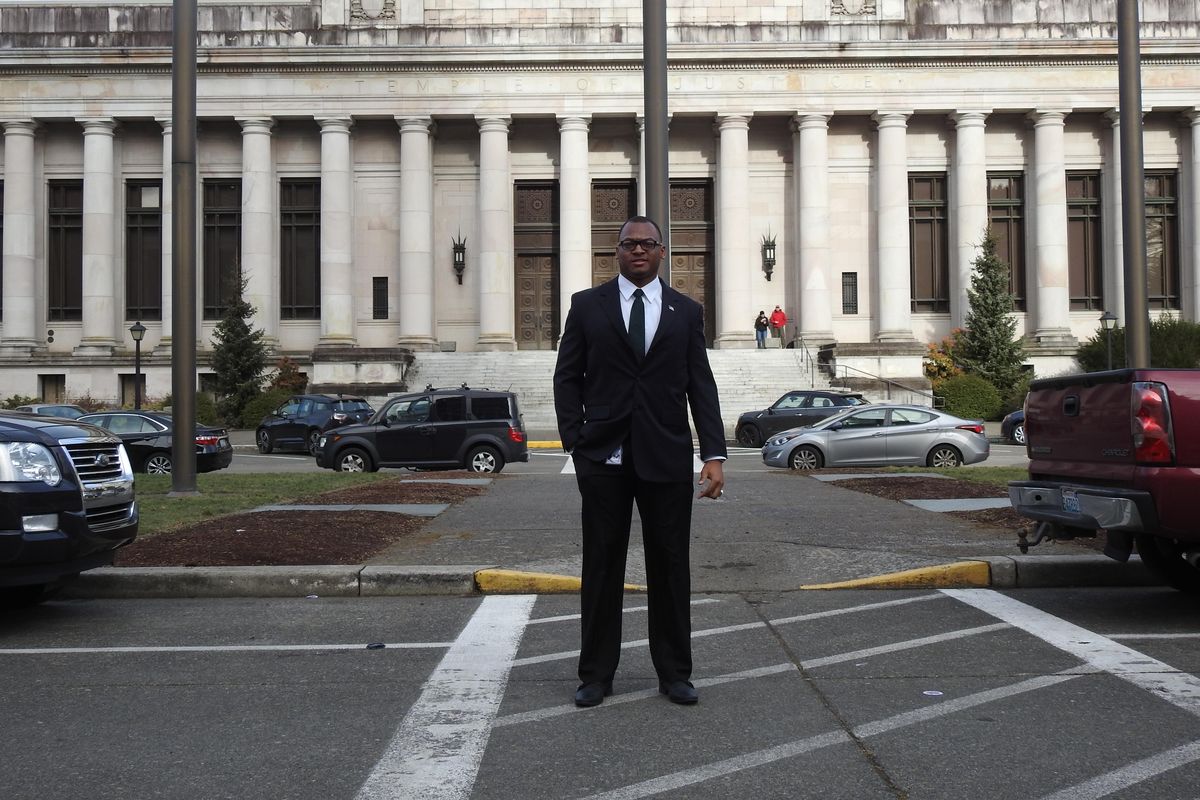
(484, 459)
(264, 441)
(353, 459)
(805, 457)
(1019, 433)
(943, 457)
(158, 464)
(1170, 559)
(749, 436)
(314, 441)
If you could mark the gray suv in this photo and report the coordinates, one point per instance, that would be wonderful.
(66, 503)
(475, 429)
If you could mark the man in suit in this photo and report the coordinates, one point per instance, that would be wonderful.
(630, 362)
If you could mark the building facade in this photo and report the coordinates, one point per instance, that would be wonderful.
(392, 177)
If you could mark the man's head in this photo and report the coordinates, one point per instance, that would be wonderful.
(640, 250)
(777, 308)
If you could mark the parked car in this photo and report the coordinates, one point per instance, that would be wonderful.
(880, 435)
(1012, 427)
(299, 423)
(66, 503)
(148, 435)
(794, 409)
(63, 410)
(475, 429)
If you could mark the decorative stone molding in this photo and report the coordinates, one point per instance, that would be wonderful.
(372, 9)
(853, 8)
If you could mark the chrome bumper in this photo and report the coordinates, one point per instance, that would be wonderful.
(1081, 506)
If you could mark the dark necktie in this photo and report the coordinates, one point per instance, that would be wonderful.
(637, 323)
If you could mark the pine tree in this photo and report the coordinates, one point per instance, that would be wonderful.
(239, 358)
(989, 347)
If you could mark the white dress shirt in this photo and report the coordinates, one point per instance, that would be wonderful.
(652, 303)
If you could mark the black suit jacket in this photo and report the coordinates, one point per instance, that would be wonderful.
(605, 395)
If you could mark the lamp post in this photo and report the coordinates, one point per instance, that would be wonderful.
(137, 330)
(1106, 322)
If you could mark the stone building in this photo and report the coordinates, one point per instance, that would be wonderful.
(346, 146)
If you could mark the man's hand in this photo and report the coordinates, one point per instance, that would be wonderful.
(712, 479)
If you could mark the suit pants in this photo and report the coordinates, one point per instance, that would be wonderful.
(608, 493)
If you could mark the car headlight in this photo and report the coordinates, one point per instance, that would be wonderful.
(28, 461)
(781, 440)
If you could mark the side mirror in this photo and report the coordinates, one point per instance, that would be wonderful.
(385, 421)
(837, 426)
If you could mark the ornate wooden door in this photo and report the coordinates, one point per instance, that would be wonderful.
(536, 300)
(690, 276)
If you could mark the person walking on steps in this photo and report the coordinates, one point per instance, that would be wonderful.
(761, 326)
(778, 321)
(631, 358)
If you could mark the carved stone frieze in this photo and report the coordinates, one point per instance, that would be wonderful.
(372, 9)
(853, 8)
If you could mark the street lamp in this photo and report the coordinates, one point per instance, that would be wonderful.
(137, 330)
(1106, 322)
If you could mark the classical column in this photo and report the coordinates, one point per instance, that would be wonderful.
(496, 299)
(1114, 255)
(1191, 294)
(20, 271)
(894, 286)
(735, 255)
(1052, 321)
(260, 231)
(337, 288)
(970, 197)
(641, 184)
(810, 159)
(575, 210)
(99, 272)
(415, 289)
(166, 206)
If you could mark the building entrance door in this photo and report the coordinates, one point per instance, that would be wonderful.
(537, 301)
(690, 276)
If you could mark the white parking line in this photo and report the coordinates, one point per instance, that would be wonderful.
(627, 610)
(1130, 774)
(1099, 652)
(436, 751)
(222, 648)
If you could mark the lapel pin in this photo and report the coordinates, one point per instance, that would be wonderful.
(670, 308)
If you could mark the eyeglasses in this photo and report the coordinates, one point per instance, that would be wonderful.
(629, 245)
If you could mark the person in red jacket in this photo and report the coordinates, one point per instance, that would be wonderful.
(778, 320)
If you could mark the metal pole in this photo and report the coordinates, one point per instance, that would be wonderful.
(1108, 336)
(654, 76)
(137, 374)
(1133, 192)
(183, 250)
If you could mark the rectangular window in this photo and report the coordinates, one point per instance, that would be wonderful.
(1085, 253)
(929, 262)
(64, 251)
(379, 298)
(143, 250)
(1162, 240)
(300, 248)
(1006, 219)
(222, 244)
(849, 292)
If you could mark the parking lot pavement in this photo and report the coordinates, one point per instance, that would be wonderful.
(928, 694)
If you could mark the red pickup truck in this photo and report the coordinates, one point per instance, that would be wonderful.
(1118, 451)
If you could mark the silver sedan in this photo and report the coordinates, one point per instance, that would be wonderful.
(880, 435)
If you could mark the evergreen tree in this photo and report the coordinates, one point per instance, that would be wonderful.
(239, 358)
(988, 347)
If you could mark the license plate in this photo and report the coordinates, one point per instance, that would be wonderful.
(1070, 501)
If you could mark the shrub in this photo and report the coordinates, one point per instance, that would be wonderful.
(969, 396)
(941, 358)
(1173, 343)
(263, 405)
(15, 400)
(288, 376)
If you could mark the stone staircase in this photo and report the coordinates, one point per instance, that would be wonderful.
(746, 379)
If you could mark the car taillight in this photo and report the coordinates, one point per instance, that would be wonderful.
(973, 428)
(516, 435)
(207, 440)
(1153, 436)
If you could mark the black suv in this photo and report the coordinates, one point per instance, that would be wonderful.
(299, 423)
(66, 502)
(464, 428)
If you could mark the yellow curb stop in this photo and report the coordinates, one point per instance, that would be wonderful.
(508, 581)
(943, 576)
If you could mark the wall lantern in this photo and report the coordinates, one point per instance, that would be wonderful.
(460, 257)
(138, 331)
(768, 254)
(1107, 322)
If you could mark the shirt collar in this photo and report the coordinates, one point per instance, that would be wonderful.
(652, 290)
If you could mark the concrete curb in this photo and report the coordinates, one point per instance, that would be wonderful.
(998, 572)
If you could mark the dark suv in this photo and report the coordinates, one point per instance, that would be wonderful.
(474, 429)
(794, 410)
(299, 423)
(66, 502)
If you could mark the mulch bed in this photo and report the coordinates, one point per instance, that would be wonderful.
(287, 538)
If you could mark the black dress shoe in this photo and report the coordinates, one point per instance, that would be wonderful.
(680, 692)
(592, 694)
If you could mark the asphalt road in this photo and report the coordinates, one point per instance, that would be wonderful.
(857, 694)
